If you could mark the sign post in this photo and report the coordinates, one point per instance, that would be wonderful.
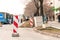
(15, 26)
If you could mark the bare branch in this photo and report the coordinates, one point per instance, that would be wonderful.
(36, 2)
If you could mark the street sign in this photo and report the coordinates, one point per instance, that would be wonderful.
(1, 17)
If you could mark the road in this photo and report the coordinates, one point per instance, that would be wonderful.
(25, 34)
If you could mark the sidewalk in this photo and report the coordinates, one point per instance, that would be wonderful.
(48, 32)
(54, 24)
(53, 31)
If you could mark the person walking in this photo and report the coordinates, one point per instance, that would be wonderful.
(9, 21)
(47, 15)
(59, 17)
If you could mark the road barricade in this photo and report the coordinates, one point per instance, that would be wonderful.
(31, 22)
(15, 26)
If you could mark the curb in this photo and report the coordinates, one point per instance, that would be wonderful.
(46, 33)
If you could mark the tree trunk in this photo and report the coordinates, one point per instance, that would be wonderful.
(37, 6)
(41, 6)
(37, 12)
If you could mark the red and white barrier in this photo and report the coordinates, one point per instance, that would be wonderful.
(15, 26)
(31, 22)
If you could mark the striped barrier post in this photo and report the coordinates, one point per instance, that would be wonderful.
(15, 26)
(31, 22)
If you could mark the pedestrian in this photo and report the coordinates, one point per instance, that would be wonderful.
(21, 20)
(46, 17)
(59, 17)
(53, 17)
(10, 21)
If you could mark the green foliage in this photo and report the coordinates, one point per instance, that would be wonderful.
(55, 9)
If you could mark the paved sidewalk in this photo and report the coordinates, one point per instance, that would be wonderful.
(54, 24)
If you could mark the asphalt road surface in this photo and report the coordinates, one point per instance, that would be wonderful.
(25, 34)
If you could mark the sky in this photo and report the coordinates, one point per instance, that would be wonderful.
(15, 7)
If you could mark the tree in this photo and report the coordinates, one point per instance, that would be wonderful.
(36, 2)
(55, 9)
(58, 9)
(33, 7)
(41, 6)
(30, 9)
(46, 8)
